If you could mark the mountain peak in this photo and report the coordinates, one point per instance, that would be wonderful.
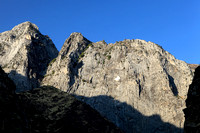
(23, 30)
(25, 53)
(75, 37)
(26, 25)
(74, 41)
(76, 34)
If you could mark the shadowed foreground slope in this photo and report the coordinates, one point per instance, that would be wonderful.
(61, 112)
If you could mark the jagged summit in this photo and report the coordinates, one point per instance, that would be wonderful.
(73, 41)
(76, 34)
(19, 30)
(26, 25)
(71, 52)
(25, 54)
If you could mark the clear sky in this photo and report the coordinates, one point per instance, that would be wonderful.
(173, 24)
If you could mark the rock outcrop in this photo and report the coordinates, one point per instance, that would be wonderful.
(62, 69)
(193, 66)
(140, 76)
(25, 54)
(192, 116)
(47, 109)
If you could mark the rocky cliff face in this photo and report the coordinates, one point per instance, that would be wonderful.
(47, 109)
(136, 84)
(25, 54)
(192, 117)
(62, 69)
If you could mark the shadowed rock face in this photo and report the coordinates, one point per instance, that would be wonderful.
(47, 109)
(192, 116)
(25, 50)
(10, 118)
(138, 73)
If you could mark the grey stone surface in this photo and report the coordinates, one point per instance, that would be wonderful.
(25, 54)
(136, 84)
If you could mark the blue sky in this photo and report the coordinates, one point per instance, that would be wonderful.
(173, 24)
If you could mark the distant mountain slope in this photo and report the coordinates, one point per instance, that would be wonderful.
(24, 50)
(47, 109)
(138, 73)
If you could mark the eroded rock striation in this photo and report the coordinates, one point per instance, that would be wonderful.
(25, 54)
(192, 116)
(136, 84)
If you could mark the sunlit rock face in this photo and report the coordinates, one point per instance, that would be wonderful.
(136, 84)
(61, 70)
(192, 116)
(25, 54)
